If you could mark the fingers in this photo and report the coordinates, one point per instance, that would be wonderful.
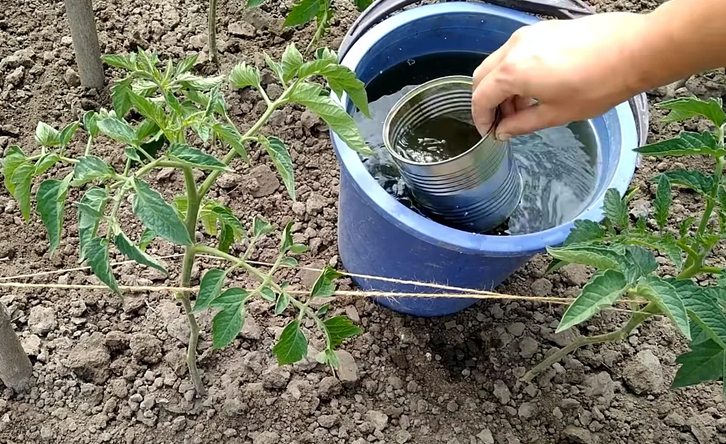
(487, 96)
(528, 120)
(489, 63)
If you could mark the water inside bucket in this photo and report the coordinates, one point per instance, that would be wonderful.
(558, 165)
(437, 139)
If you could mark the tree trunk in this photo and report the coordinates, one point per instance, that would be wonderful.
(15, 367)
(85, 42)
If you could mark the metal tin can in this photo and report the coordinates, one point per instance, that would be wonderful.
(474, 191)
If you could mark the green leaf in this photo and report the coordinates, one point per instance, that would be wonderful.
(243, 76)
(666, 297)
(51, 197)
(67, 134)
(120, 96)
(704, 363)
(132, 154)
(362, 5)
(302, 13)
(694, 180)
(14, 157)
(128, 249)
(280, 156)
(291, 62)
(90, 168)
(283, 301)
(90, 123)
(298, 249)
(174, 104)
(196, 157)
(22, 180)
(292, 346)
(117, 130)
(45, 163)
(226, 217)
(157, 215)
(325, 284)
(342, 79)
(290, 262)
(662, 201)
(688, 107)
(147, 237)
(230, 297)
(227, 324)
(209, 288)
(46, 135)
(127, 62)
(274, 66)
(602, 291)
(311, 96)
(186, 65)
(146, 129)
(641, 262)
(255, 3)
(584, 231)
(671, 248)
(286, 238)
(261, 227)
(686, 144)
(148, 109)
(196, 83)
(231, 137)
(97, 257)
(96, 199)
(339, 328)
(322, 311)
(703, 309)
(268, 294)
(615, 208)
(602, 258)
(226, 238)
(328, 357)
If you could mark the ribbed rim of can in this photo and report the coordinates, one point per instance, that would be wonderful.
(424, 87)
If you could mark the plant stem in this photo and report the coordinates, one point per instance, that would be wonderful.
(213, 31)
(186, 278)
(714, 193)
(623, 333)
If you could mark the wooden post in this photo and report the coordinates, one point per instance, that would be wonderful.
(85, 42)
(15, 367)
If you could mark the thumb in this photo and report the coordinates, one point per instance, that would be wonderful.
(527, 121)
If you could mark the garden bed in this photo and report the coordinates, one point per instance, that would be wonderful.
(112, 370)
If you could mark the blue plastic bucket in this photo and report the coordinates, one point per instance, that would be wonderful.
(378, 236)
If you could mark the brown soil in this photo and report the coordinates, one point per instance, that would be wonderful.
(111, 370)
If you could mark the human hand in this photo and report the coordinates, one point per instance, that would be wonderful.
(557, 71)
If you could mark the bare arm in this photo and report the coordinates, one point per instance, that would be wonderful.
(578, 69)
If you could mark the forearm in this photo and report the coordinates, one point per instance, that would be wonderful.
(679, 39)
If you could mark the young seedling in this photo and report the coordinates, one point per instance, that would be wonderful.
(622, 253)
(180, 114)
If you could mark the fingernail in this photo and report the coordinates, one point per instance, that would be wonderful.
(503, 137)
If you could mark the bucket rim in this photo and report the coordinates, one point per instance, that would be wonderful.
(433, 232)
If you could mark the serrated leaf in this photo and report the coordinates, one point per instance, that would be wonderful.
(298, 249)
(127, 62)
(67, 133)
(325, 284)
(94, 198)
(662, 201)
(303, 12)
(186, 65)
(686, 144)
(291, 62)
(226, 217)
(157, 215)
(45, 163)
(231, 296)
(311, 96)
(147, 237)
(292, 346)
(602, 291)
(261, 227)
(280, 156)
(90, 123)
(197, 83)
(210, 288)
(196, 157)
(120, 97)
(274, 66)
(128, 249)
(290, 262)
(342, 79)
(227, 324)
(146, 129)
(117, 130)
(694, 180)
(268, 294)
(340, 328)
(232, 137)
(688, 107)
(283, 301)
(46, 135)
(174, 104)
(255, 3)
(51, 199)
(22, 180)
(90, 168)
(704, 363)
(14, 157)
(132, 154)
(703, 309)
(286, 242)
(226, 238)
(148, 109)
(584, 231)
(599, 257)
(615, 208)
(97, 258)
(666, 297)
(328, 357)
(322, 311)
(243, 76)
(641, 262)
